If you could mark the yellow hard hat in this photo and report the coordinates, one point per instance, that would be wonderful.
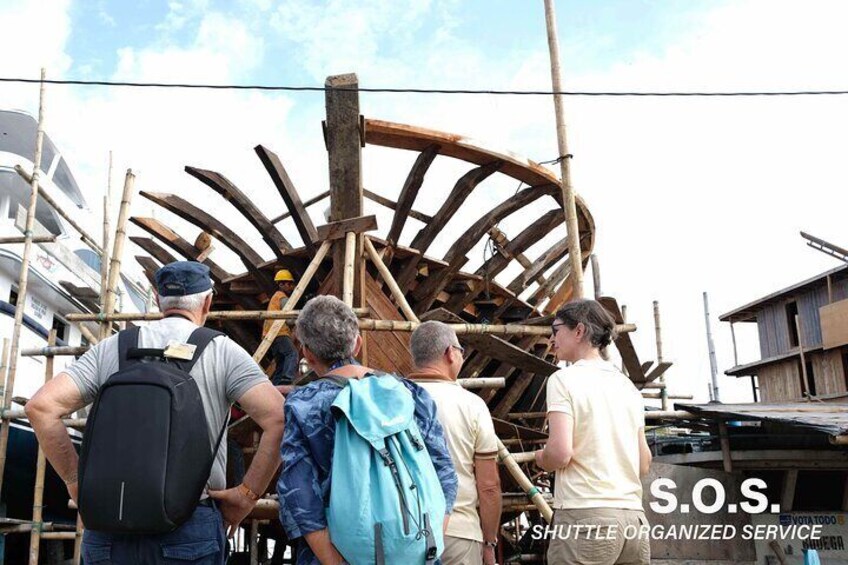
(283, 275)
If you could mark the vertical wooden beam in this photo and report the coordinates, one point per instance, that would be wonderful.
(40, 472)
(23, 277)
(735, 351)
(787, 496)
(568, 201)
(107, 229)
(725, 446)
(596, 275)
(344, 148)
(829, 290)
(805, 377)
(347, 286)
(658, 329)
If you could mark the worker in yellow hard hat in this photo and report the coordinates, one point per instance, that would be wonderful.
(282, 348)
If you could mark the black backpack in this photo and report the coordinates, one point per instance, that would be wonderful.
(145, 455)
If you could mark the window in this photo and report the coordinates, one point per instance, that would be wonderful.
(61, 328)
(791, 313)
(13, 296)
(811, 378)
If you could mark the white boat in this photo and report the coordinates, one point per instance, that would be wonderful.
(64, 277)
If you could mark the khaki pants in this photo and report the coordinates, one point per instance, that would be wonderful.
(596, 536)
(460, 551)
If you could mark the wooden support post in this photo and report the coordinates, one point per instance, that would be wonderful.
(596, 275)
(86, 333)
(529, 488)
(78, 541)
(725, 446)
(829, 290)
(735, 352)
(40, 471)
(118, 248)
(254, 542)
(568, 201)
(397, 293)
(23, 278)
(349, 268)
(658, 330)
(787, 496)
(298, 291)
(805, 378)
(344, 148)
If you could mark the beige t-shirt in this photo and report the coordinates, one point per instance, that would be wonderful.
(608, 413)
(470, 434)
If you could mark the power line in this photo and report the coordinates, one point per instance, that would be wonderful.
(286, 88)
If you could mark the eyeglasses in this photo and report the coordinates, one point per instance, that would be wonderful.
(555, 328)
(460, 349)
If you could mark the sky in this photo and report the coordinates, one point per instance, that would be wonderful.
(689, 195)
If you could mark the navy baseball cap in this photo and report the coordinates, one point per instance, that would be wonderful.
(181, 278)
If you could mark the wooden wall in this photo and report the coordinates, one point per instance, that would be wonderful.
(828, 372)
(780, 381)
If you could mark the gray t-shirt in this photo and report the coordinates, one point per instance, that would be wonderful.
(223, 373)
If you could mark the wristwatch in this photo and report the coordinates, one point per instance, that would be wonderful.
(492, 544)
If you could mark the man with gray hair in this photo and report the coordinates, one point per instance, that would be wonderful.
(224, 373)
(471, 536)
(328, 331)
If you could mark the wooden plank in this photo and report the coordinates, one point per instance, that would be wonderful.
(290, 196)
(623, 342)
(834, 324)
(306, 204)
(170, 238)
(472, 235)
(497, 263)
(658, 371)
(338, 230)
(557, 251)
(241, 202)
(208, 223)
(344, 148)
(153, 249)
(392, 205)
(550, 286)
(427, 292)
(410, 189)
(787, 495)
(461, 190)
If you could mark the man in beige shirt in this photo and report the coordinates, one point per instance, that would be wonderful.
(471, 536)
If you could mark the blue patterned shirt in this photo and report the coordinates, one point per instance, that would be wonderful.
(307, 454)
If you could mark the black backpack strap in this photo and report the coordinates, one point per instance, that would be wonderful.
(200, 338)
(127, 339)
(337, 380)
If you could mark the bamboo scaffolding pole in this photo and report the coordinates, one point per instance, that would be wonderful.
(78, 541)
(663, 395)
(40, 471)
(19, 414)
(482, 382)
(214, 315)
(568, 202)
(34, 239)
(364, 325)
(4, 364)
(292, 300)
(23, 278)
(118, 248)
(84, 236)
(104, 257)
(254, 542)
(86, 333)
(657, 328)
(533, 493)
(390, 281)
(596, 275)
(349, 268)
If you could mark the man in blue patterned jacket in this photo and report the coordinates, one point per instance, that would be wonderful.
(328, 331)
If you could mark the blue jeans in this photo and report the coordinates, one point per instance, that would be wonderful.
(285, 356)
(200, 541)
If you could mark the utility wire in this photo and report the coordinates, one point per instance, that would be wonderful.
(419, 90)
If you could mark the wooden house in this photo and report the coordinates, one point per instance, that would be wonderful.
(803, 332)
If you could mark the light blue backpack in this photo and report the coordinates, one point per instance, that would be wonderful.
(386, 501)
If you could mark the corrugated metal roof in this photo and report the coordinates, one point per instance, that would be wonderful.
(829, 418)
